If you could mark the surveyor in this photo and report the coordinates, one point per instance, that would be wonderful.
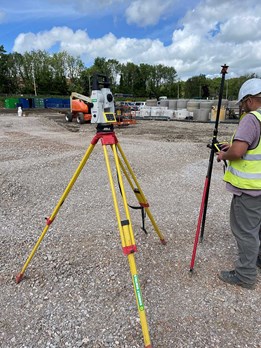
(243, 180)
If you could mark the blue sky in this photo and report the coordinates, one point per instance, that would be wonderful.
(194, 36)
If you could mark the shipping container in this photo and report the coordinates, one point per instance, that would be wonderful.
(11, 103)
(39, 103)
(26, 103)
(56, 103)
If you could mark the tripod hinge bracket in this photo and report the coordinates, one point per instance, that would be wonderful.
(140, 198)
(48, 221)
(144, 205)
(107, 138)
(130, 249)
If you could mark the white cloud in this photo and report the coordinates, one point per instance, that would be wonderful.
(78, 43)
(47, 39)
(138, 12)
(234, 32)
(211, 34)
(147, 12)
(215, 33)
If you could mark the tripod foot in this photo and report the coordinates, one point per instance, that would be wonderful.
(19, 277)
(163, 242)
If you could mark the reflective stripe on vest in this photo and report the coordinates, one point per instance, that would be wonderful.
(245, 173)
(249, 157)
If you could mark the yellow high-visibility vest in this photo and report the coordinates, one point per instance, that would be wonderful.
(245, 173)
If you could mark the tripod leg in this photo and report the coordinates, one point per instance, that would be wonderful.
(49, 220)
(138, 192)
(128, 242)
(140, 305)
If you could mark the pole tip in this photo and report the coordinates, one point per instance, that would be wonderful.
(19, 277)
(224, 69)
(191, 272)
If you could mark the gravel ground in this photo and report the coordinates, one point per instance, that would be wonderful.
(77, 290)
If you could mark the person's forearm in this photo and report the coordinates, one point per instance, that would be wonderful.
(232, 154)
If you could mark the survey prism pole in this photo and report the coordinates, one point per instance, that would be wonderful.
(204, 201)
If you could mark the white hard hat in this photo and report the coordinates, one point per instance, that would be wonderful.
(250, 87)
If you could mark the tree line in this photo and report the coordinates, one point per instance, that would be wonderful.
(41, 73)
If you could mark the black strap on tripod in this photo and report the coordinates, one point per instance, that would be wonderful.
(143, 212)
(143, 216)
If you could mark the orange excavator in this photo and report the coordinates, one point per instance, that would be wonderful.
(80, 108)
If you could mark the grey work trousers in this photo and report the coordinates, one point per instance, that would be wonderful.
(245, 223)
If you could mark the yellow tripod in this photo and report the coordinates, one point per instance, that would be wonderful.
(108, 137)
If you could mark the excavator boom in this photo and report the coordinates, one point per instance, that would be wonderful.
(80, 108)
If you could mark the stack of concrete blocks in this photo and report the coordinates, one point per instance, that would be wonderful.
(145, 113)
(164, 103)
(202, 112)
(156, 112)
(151, 102)
(182, 114)
(199, 110)
(161, 112)
(173, 104)
(183, 110)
